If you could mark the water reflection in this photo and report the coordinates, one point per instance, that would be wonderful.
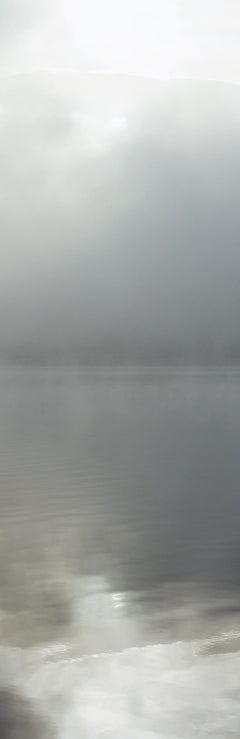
(124, 477)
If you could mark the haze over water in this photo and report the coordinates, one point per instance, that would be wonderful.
(119, 369)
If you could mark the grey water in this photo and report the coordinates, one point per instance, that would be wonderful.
(119, 538)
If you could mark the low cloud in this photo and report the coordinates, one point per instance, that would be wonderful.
(126, 250)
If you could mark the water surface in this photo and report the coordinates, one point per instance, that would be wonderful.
(119, 537)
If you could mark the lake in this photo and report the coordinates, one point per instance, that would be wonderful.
(120, 551)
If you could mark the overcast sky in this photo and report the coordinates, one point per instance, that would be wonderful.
(119, 186)
(177, 38)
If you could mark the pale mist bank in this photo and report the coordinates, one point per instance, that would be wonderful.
(119, 213)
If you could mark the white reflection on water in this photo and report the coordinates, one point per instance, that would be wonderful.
(119, 530)
(161, 691)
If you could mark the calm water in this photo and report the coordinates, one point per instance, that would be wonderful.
(120, 553)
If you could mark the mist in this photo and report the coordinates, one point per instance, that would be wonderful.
(119, 225)
(119, 368)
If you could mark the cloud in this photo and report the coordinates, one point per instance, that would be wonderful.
(128, 251)
(147, 37)
(16, 18)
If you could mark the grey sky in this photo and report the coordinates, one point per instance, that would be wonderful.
(119, 212)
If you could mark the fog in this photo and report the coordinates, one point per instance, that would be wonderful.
(178, 38)
(119, 219)
(119, 368)
(119, 215)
